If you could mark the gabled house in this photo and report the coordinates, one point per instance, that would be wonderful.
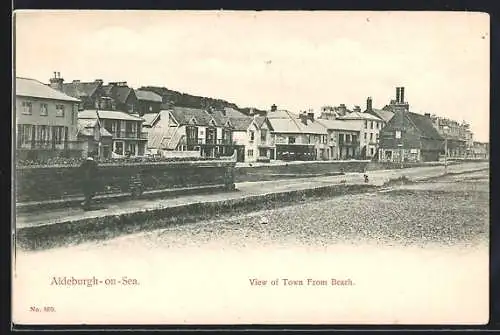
(95, 138)
(191, 129)
(253, 138)
(119, 96)
(410, 137)
(46, 120)
(148, 102)
(126, 130)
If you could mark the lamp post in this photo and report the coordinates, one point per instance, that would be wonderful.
(445, 129)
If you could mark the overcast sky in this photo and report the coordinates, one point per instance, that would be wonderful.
(296, 60)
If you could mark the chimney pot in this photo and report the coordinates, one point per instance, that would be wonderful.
(398, 94)
(402, 94)
(274, 108)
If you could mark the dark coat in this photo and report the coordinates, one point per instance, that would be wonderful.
(89, 176)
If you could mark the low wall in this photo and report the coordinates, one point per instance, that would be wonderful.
(39, 184)
(170, 154)
(296, 169)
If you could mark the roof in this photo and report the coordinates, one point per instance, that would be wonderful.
(424, 124)
(33, 88)
(385, 115)
(149, 118)
(148, 96)
(85, 128)
(106, 114)
(120, 93)
(233, 113)
(78, 89)
(160, 137)
(338, 125)
(241, 123)
(283, 121)
(359, 116)
(183, 115)
(279, 114)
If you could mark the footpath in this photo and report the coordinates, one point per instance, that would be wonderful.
(243, 190)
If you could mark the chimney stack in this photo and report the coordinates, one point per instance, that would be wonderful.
(369, 106)
(357, 109)
(402, 94)
(398, 94)
(303, 117)
(56, 82)
(274, 108)
(310, 116)
(428, 115)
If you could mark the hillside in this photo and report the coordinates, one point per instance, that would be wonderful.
(187, 100)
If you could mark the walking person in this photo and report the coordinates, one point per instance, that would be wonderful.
(88, 173)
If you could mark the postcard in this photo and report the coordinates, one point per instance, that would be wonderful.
(250, 167)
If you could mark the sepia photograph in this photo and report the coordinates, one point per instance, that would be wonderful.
(177, 167)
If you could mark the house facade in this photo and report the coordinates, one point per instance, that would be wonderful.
(298, 137)
(369, 126)
(94, 138)
(343, 139)
(457, 134)
(46, 121)
(253, 139)
(410, 137)
(128, 139)
(191, 129)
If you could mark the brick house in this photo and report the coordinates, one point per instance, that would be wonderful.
(46, 121)
(410, 137)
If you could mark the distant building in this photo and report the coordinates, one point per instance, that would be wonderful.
(148, 102)
(458, 135)
(481, 150)
(126, 130)
(46, 121)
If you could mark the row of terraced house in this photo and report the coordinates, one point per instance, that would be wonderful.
(115, 120)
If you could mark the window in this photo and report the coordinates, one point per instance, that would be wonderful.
(150, 108)
(291, 140)
(60, 110)
(341, 137)
(43, 110)
(119, 148)
(366, 124)
(354, 138)
(263, 135)
(252, 135)
(348, 138)
(250, 153)
(24, 133)
(131, 149)
(58, 134)
(366, 136)
(371, 151)
(376, 136)
(134, 127)
(42, 134)
(26, 107)
(371, 124)
(74, 114)
(398, 134)
(371, 136)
